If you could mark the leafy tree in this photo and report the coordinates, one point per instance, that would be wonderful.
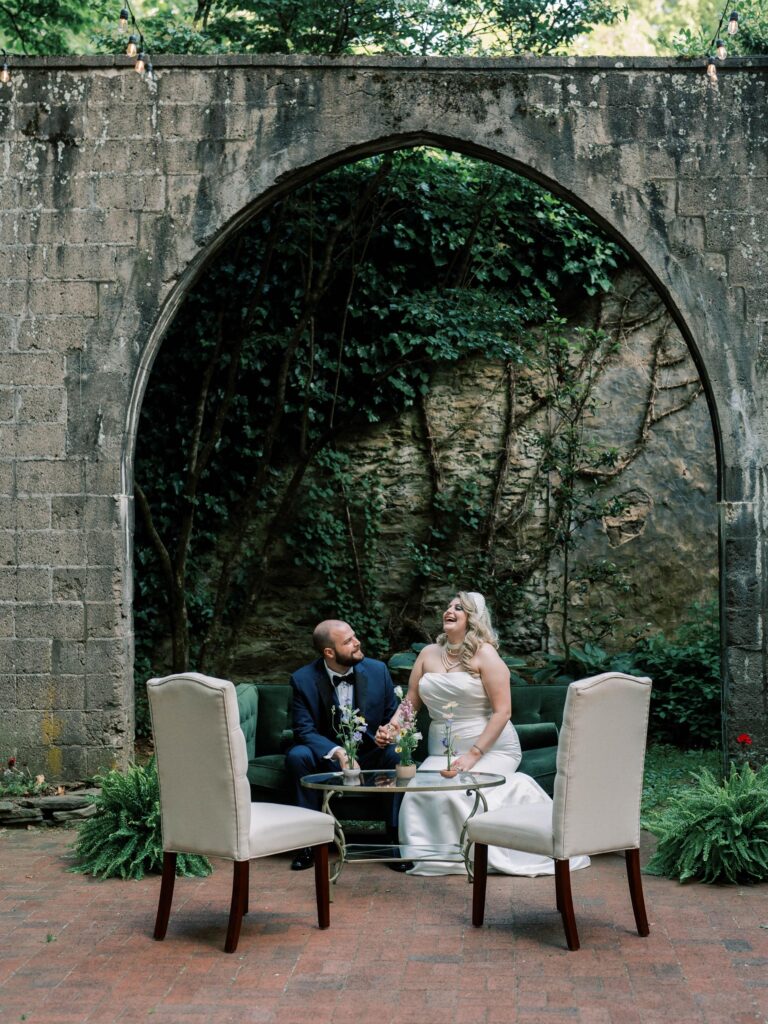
(47, 26)
(325, 27)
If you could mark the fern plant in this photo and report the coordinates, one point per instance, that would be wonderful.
(123, 838)
(713, 831)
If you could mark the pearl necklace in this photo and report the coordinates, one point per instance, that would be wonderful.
(450, 656)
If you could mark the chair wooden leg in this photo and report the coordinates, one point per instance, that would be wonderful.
(632, 858)
(239, 901)
(565, 902)
(322, 885)
(479, 882)
(166, 895)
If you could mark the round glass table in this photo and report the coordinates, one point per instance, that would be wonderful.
(386, 783)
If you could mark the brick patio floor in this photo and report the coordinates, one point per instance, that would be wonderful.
(399, 949)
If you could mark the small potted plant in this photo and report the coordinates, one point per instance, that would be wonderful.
(349, 731)
(407, 741)
(448, 772)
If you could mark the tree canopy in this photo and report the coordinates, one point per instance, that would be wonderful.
(329, 27)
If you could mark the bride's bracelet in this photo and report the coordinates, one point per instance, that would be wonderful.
(480, 750)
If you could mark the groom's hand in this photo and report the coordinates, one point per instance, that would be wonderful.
(385, 735)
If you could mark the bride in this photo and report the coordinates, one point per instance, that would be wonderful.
(462, 675)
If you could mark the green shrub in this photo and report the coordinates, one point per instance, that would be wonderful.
(715, 832)
(686, 695)
(123, 838)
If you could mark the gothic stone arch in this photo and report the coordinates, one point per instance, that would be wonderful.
(116, 192)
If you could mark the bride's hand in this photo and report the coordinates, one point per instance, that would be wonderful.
(465, 762)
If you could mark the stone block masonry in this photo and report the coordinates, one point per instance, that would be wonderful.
(115, 191)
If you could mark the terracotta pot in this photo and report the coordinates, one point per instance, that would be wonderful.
(405, 771)
(449, 773)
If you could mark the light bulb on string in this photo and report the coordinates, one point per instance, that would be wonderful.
(721, 51)
(141, 64)
(711, 69)
(125, 15)
(733, 23)
(5, 71)
(132, 48)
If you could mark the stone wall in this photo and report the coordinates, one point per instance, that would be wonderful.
(115, 192)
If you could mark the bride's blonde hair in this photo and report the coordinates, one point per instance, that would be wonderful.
(479, 629)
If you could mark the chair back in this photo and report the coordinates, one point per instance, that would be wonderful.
(600, 759)
(202, 764)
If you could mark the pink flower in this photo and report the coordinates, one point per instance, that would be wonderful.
(744, 738)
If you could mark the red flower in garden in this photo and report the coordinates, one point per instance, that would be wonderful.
(744, 738)
(11, 762)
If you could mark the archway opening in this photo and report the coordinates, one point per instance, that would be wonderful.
(413, 373)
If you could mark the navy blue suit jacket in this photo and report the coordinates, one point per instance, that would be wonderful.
(313, 700)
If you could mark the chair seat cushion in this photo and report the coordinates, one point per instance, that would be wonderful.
(276, 828)
(526, 827)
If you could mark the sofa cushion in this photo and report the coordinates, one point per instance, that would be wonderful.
(543, 703)
(535, 735)
(268, 772)
(274, 720)
(248, 706)
(540, 765)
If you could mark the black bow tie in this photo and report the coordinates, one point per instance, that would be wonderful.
(349, 678)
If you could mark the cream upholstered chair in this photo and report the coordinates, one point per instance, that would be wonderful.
(205, 797)
(596, 806)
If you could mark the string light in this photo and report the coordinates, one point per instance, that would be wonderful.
(717, 40)
(135, 47)
(5, 71)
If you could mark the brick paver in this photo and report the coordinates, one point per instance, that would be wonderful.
(400, 950)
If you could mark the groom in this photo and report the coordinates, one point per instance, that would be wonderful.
(342, 675)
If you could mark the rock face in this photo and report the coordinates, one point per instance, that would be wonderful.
(115, 193)
(661, 538)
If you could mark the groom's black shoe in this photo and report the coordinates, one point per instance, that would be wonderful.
(304, 859)
(397, 865)
(400, 865)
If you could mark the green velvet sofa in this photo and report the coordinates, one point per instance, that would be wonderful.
(265, 716)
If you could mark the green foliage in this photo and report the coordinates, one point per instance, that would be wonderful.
(16, 780)
(685, 669)
(47, 26)
(123, 839)
(328, 313)
(337, 535)
(669, 770)
(751, 38)
(713, 831)
(334, 27)
(322, 27)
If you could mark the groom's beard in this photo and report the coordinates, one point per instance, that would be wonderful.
(349, 659)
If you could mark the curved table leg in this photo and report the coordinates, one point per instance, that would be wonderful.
(339, 839)
(463, 844)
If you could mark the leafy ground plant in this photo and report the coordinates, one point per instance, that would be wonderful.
(123, 838)
(713, 831)
(17, 780)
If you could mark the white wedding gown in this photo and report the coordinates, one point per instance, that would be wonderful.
(437, 818)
